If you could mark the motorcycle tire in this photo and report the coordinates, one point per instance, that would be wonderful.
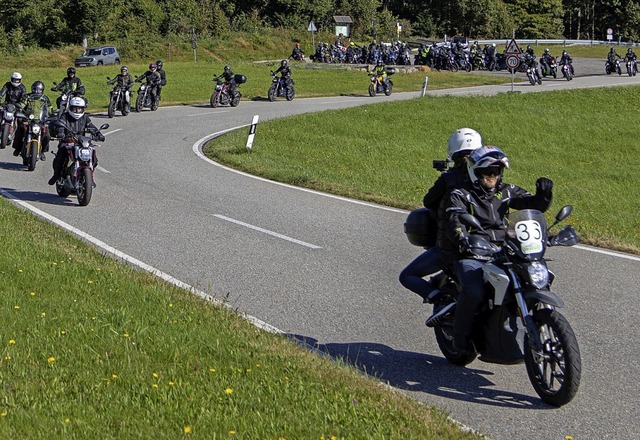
(619, 70)
(32, 155)
(538, 80)
(555, 74)
(290, 93)
(139, 103)
(567, 74)
(607, 69)
(444, 338)
(155, 104)
(372, 90)
(61, 189)
(236, 100)
(467, 67)
(629, 72)
(388, 89)
(85, 187)
(554, 373)
(532, 80)
(111, 110)
(213, 101)
(5, 137)
(453, 67)
(272, 93)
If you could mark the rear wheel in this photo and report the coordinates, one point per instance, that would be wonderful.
(555, 371)
(290, 93)
(272, 93)
(85, 187)
(61, 189)
(236, 99)
(444, 338)
(32, 155)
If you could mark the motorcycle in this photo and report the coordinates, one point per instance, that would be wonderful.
(8, 125)
(65, 97)
(281, 87)
(610, 67)
(567, 71)
(35, 131)
(632, 67)
(533, 75)
(378, 85)
(552, 70)
(118, 101)
(518, 319)
(221, 95)
(144, 99)
(77, 174)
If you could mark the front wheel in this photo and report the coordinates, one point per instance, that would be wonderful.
(555, 370)
(111, 110)
(5, 136)
(213, 101)
(85, 187)
(32, 155)
(629, 72)
(619, 70)
(290, 93)
(532, 80)
(388, 88)
(139, 102)
(272, 93)
(372, 90)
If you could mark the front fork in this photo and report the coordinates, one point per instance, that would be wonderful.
(532, 330)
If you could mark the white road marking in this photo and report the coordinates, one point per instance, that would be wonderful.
(209, 113)
(268, 232)
(104, 170)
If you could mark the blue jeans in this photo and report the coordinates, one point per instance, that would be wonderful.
(471, 278)
(429, 262)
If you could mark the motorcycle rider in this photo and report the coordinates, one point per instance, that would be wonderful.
(630, 56)
(72, 82)
(32, 105)
(380, 71)
(545, 61)
(153, 79)
(13, 91)
(124, 80)
(460, 144)
(566, 59)
(163, 77)
(612, 56)
(229, 78)
(489, 199)
(74, 122)
(285, 72)
(529, 51)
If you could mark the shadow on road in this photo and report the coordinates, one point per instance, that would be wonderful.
(37, 196)
(423, 373)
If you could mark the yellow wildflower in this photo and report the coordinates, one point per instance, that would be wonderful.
(12, 342)
(187, 429)
(229, 391)
(51, 360)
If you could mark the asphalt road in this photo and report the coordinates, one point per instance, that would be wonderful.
(325, 269)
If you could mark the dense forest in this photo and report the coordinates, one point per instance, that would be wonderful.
(53, 23)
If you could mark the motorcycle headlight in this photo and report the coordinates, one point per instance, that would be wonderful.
(85, 154)
(35, 129)
(8, 116)
(538, 274)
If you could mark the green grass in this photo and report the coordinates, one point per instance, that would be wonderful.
(383, 152)
(91, 348)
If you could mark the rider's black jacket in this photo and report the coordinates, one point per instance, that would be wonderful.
(490, 208)
(453, 178)
(70, 83)
(13, 95)
(70, 127)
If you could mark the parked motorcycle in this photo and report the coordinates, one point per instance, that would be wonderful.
(118, 101)
(77, 174)
(36, 130)
(610, 67)
(145, 100)
(567, 71)
(378, 85)
(281, 87)
(220, 95)
(552, 70)
(518, 318)
(632, 67)
(7, 125)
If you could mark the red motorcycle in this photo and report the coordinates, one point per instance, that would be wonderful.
(222, 95)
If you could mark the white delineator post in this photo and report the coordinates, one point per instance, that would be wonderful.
(252, 131)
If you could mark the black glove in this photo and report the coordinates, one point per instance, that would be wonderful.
(98, 137)
(463, 246)
(544, 186)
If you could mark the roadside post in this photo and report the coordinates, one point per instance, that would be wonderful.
(194, 45)
(424, 86)
(313, 29)
(513, 59)
(252, 132)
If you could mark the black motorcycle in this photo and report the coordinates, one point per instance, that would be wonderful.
(8, 124)
(118, 101)
(145, 99)
(518, 319)
(612, 66)
(221, 93)
(281, 87)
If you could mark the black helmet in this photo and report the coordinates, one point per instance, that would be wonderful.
(37, 88)
(283, 63)
(159, 64)
(71, 71)
(153, 66)
(629, 50)
(227, 69)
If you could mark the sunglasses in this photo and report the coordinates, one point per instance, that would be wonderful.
(494, 171)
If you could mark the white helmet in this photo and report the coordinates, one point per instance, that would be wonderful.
(16, 79)
(77, 106)
(486, 157)
(463, 140)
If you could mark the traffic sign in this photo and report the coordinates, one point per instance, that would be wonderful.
(512, 61)
(512, 47)
(312, 27)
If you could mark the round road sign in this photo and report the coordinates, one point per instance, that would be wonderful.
(609, 31)
(512, 61)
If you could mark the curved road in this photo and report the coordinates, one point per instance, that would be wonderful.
(325, 269)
